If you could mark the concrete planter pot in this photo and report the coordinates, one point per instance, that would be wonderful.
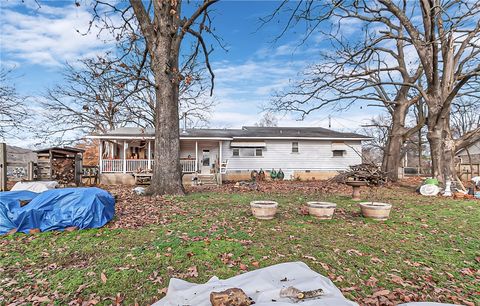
(321, 210)
(375, 210)
(356, 188)
(264, 210)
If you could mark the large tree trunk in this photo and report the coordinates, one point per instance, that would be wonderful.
(442, 149)
(396, 138)
(167, 172)
(393, 155)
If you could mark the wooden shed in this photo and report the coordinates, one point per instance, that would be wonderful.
(63, 165)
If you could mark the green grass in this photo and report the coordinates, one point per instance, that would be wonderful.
(424, 239)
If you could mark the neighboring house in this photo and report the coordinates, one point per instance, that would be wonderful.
(473, 150)
(467, 170)
(231, 154)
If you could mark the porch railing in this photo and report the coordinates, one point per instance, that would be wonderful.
(112, 165)
(135, 165)
(188, 165)
(132, 165)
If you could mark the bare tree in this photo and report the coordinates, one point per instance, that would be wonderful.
(268, 119)
(164, 29)
(13, 113)
(378, 129)
(90, 99)
(104, 93)
(403, 44)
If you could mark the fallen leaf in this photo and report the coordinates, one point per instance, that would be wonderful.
(381, 293)
(103, 277)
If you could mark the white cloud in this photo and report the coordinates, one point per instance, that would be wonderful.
(243, 89)
(48, 35)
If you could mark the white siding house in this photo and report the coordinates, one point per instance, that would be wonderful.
(312, 155)
(231, 154)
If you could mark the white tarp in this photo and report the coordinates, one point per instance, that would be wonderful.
(262, 285)
(39, 186)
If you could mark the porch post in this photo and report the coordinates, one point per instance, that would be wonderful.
(196, 156)
(149, 156)
(100, 157)
(124, 156)
(220, 148)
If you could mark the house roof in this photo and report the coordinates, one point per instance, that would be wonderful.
(246, 132)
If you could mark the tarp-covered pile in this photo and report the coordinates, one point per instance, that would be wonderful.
(55, 209)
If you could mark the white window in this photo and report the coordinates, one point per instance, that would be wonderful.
(247, 152)
(295, 147)
(338, 153)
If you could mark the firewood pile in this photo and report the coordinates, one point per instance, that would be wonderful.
(367, 172)
(63, 170)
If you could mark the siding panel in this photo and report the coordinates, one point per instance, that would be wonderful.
(312, 155)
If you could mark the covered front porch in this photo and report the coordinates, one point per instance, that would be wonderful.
(137, 155)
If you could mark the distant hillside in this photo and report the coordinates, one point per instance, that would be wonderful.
(20, 155)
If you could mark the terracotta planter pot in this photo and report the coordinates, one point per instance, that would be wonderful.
(264, 210)
(321, 210)
(375, 210)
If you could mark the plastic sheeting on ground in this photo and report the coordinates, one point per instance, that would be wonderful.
(261, 285)
(38, 186)
(55, 209)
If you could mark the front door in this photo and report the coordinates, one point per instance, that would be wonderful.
(206, 163)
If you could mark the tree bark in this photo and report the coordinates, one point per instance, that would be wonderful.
(435, 140)
(167, 172)
(397, 136)
(392, 155)
(442, 149)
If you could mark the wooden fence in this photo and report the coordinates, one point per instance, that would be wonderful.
(467, 171)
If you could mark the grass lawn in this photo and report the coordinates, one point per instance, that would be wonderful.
(428, 250)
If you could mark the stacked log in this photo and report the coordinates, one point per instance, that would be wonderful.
(63, 170)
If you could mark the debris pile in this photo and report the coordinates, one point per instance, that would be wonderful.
(368, 172)
(232, 297)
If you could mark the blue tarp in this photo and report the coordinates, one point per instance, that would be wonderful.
(55, 209)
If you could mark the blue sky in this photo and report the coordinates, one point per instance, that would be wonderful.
(37, 41)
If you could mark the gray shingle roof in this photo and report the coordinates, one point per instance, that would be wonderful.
(244, 132)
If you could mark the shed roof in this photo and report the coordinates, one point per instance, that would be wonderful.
(64, 149)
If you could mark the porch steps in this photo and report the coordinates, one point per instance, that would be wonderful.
(207, 179)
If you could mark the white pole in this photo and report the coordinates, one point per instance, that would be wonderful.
(124, 157)
(100, 158)
(196, 156)
(149, 156)
(220, 147)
